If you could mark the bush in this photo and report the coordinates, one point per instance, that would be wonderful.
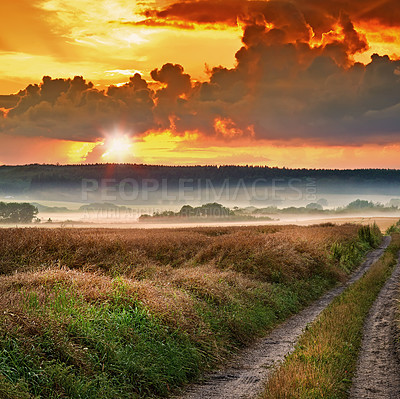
(370, 234)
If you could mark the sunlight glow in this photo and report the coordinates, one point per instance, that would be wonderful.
(118, 149)
(382, 40)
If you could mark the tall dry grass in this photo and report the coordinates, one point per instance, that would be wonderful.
(255, 251)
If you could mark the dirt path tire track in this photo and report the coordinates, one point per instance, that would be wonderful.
(378, 369)
(249, 369)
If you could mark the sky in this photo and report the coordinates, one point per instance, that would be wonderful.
(296, 83)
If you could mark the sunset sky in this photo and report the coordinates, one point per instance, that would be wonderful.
(297, 83)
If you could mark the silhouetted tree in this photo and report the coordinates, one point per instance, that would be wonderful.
(17, 213)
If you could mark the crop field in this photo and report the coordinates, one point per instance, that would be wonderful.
(140, 313)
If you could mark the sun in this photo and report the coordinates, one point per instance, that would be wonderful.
(118, 149)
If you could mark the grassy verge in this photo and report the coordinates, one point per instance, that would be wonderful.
(137, 314)
(394, 228)
(324, 361)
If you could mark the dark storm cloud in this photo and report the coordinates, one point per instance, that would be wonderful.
(171, 98)
(73, 109)
(291, 91)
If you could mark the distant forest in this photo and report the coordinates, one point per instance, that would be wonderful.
(27, 179)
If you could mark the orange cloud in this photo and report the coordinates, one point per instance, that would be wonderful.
(200, 12)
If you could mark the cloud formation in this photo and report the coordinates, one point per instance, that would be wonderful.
(295, 79)
(72, 109)
(321, 15)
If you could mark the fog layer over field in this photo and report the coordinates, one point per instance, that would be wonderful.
(121, 194)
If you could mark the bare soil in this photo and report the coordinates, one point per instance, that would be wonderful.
(378, 368)
(247, 372)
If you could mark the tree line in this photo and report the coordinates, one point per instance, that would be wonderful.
(38, 178)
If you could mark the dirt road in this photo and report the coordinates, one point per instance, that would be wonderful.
(248, 370)
(378, 368)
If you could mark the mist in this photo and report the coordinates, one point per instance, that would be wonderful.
(120, 195)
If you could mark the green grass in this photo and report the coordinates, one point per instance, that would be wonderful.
(350, 254)
(324, 361)
(116, 346)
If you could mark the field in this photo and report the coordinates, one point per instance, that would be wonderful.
(383, 222)
(139, 313)
(80, 220)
